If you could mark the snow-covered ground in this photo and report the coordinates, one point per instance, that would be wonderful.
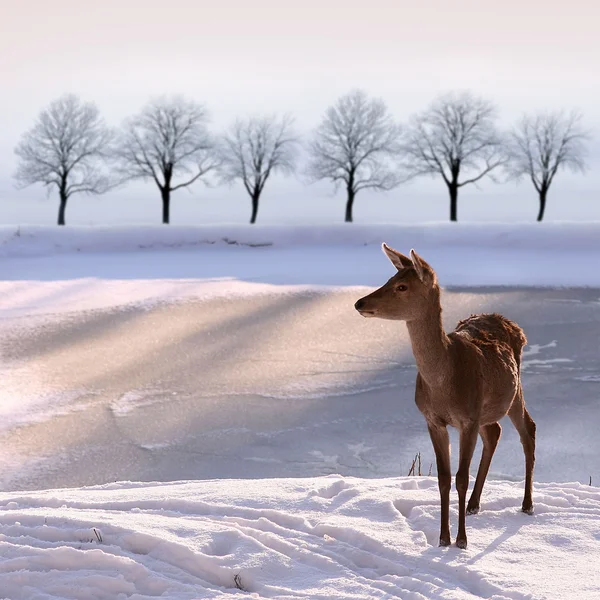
(319, 538)
(122, 354)
(51, 269)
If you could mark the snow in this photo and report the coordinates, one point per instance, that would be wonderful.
(30, 240)
(51, 269)
(21, 403)
(287, 538)
(318, 538)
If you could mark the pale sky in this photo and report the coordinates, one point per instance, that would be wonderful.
(241, 57)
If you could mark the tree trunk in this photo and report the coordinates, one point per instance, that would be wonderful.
(543, 194)
(166, 204)
(255, 197)
(62, 207)
(349, 204)
(453, 189)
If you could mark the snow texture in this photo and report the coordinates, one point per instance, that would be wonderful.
(318, 538)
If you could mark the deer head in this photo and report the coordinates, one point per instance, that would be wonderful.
(407, 295)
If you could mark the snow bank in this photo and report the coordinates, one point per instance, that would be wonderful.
(45, 240)
(320, 538)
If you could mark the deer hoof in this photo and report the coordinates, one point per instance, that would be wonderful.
(472, 510)
(528, 510)
(444, 542)
(462, 544)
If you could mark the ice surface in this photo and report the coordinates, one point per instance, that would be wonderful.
(270, 385)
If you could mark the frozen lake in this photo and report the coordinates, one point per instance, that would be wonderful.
(274, 385)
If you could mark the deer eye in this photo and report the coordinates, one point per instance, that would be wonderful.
(401, 288)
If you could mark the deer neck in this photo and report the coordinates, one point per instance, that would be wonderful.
(430, 346)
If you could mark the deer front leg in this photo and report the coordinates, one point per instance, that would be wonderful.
(468, 440)
(441, 447)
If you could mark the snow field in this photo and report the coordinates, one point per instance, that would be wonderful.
(328, 537)
(50, 270)
(32, 240)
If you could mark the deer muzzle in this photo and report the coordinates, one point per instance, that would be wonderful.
(362, 307)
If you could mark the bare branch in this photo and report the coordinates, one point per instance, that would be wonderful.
(167, 140)
(256, 148)
(542, 144)
(203, 167)
(67, 147)
(356, 144)
(455, 135)
(490, 164)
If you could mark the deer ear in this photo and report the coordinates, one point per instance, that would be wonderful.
(421, 267)
(398, 259)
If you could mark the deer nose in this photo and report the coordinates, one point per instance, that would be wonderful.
(359, 304)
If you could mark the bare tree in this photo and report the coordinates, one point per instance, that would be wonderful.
(256, 148)
(66, 148)
(455, 136)
(542, 144)
(168, 140)
(355, 146)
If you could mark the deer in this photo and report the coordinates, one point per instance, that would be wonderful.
(468, 379)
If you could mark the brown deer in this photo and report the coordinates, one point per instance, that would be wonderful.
(468, 379)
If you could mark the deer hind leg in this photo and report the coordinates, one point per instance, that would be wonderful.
(441, 446)
(468, 440)
(525, 425)
(490, 435)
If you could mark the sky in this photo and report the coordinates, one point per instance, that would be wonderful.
(241, 58)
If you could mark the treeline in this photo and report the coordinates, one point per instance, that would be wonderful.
(357, 145)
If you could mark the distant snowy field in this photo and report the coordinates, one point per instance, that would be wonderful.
(320, 538)
(52, 269)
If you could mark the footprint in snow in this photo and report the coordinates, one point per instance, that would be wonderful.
(330, 491)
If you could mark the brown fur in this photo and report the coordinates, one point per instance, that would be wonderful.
(468, 379)
(494, 328)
